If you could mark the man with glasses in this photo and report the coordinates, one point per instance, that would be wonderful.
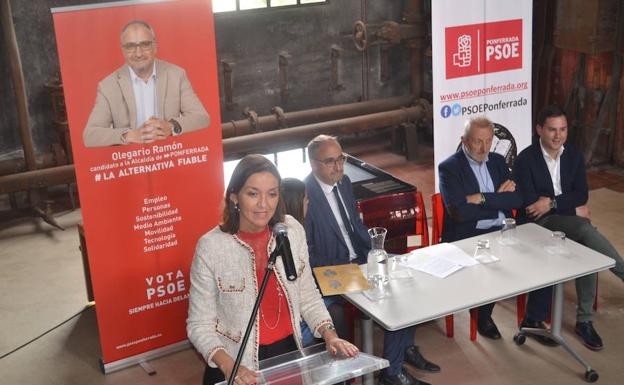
(336, 235)
(146, 99)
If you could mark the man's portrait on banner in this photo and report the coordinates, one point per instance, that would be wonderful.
(146, 99)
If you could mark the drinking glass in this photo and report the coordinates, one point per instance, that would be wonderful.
(557, 242)
(483, 253)
(508, 232)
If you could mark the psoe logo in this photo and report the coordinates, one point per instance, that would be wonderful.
(476, 49)
(463, 56)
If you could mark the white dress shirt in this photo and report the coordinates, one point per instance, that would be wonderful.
(554, 168)
(333, 204)
(144, 96)
(486, 185)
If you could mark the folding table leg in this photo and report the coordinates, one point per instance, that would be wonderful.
(367, 344)
(555, 333)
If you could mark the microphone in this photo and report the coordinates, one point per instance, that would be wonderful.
(283, 248)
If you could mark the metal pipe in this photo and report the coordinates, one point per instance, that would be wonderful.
(17, 165)
(19, 85)
(37, 179)
(416, 58)
(299, 136)
(365, 56)
(278, 139)
(298, 118)
(413, 15)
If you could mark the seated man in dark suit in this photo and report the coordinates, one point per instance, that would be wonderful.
(553, 182)
(336, 235)
(478, 195)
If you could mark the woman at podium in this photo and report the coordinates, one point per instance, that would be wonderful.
(228, 267)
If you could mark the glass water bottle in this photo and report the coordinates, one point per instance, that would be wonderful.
(377, 262)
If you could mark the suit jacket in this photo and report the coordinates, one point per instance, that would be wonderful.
(533, 177)
(326, 245)
(114, 112)
(458, 180)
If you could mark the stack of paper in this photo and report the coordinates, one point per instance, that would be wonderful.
(439, 260)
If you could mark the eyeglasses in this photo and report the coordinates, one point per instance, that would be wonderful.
(146, 45)
(328, 162)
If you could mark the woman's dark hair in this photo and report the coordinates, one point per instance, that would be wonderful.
(292, 193)
(249, 165)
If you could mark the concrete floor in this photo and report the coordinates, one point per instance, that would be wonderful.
(42, 285)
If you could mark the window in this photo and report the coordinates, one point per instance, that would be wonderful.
(240, 5)
(279, 3)
(251, 4)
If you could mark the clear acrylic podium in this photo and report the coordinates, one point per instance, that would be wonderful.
(315, 366)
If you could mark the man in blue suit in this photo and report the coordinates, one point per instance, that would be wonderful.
(553, 182)
(336, 235)
(478, 194)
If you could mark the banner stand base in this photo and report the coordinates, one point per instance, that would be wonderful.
(148, 368)
(141, 359)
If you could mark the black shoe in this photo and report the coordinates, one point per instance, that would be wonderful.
(414, 358)
(591, 339)
(488, 329)
(403, 378)
(547, 341)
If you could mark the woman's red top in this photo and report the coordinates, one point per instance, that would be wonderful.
(274, 314)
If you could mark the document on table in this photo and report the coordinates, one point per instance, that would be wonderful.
(439, 260)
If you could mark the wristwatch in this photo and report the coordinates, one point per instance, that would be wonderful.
(177, 129)
(329, 327)
(553, 203)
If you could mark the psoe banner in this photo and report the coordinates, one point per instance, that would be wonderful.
(141, 90)
(481, 66)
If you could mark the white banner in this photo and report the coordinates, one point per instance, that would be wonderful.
(481, 66)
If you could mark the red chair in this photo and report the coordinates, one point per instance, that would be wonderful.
(437, 221)
(403, 215)
(437, 218)
(596, 298)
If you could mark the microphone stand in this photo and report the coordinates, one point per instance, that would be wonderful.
(269, 269)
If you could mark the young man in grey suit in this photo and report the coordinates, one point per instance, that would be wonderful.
(336, 235)
(146, 99)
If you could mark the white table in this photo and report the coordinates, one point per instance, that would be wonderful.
(523, 267)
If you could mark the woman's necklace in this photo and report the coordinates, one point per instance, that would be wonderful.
(279, 311)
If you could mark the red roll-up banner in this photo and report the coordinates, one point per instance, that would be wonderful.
(144, 205)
